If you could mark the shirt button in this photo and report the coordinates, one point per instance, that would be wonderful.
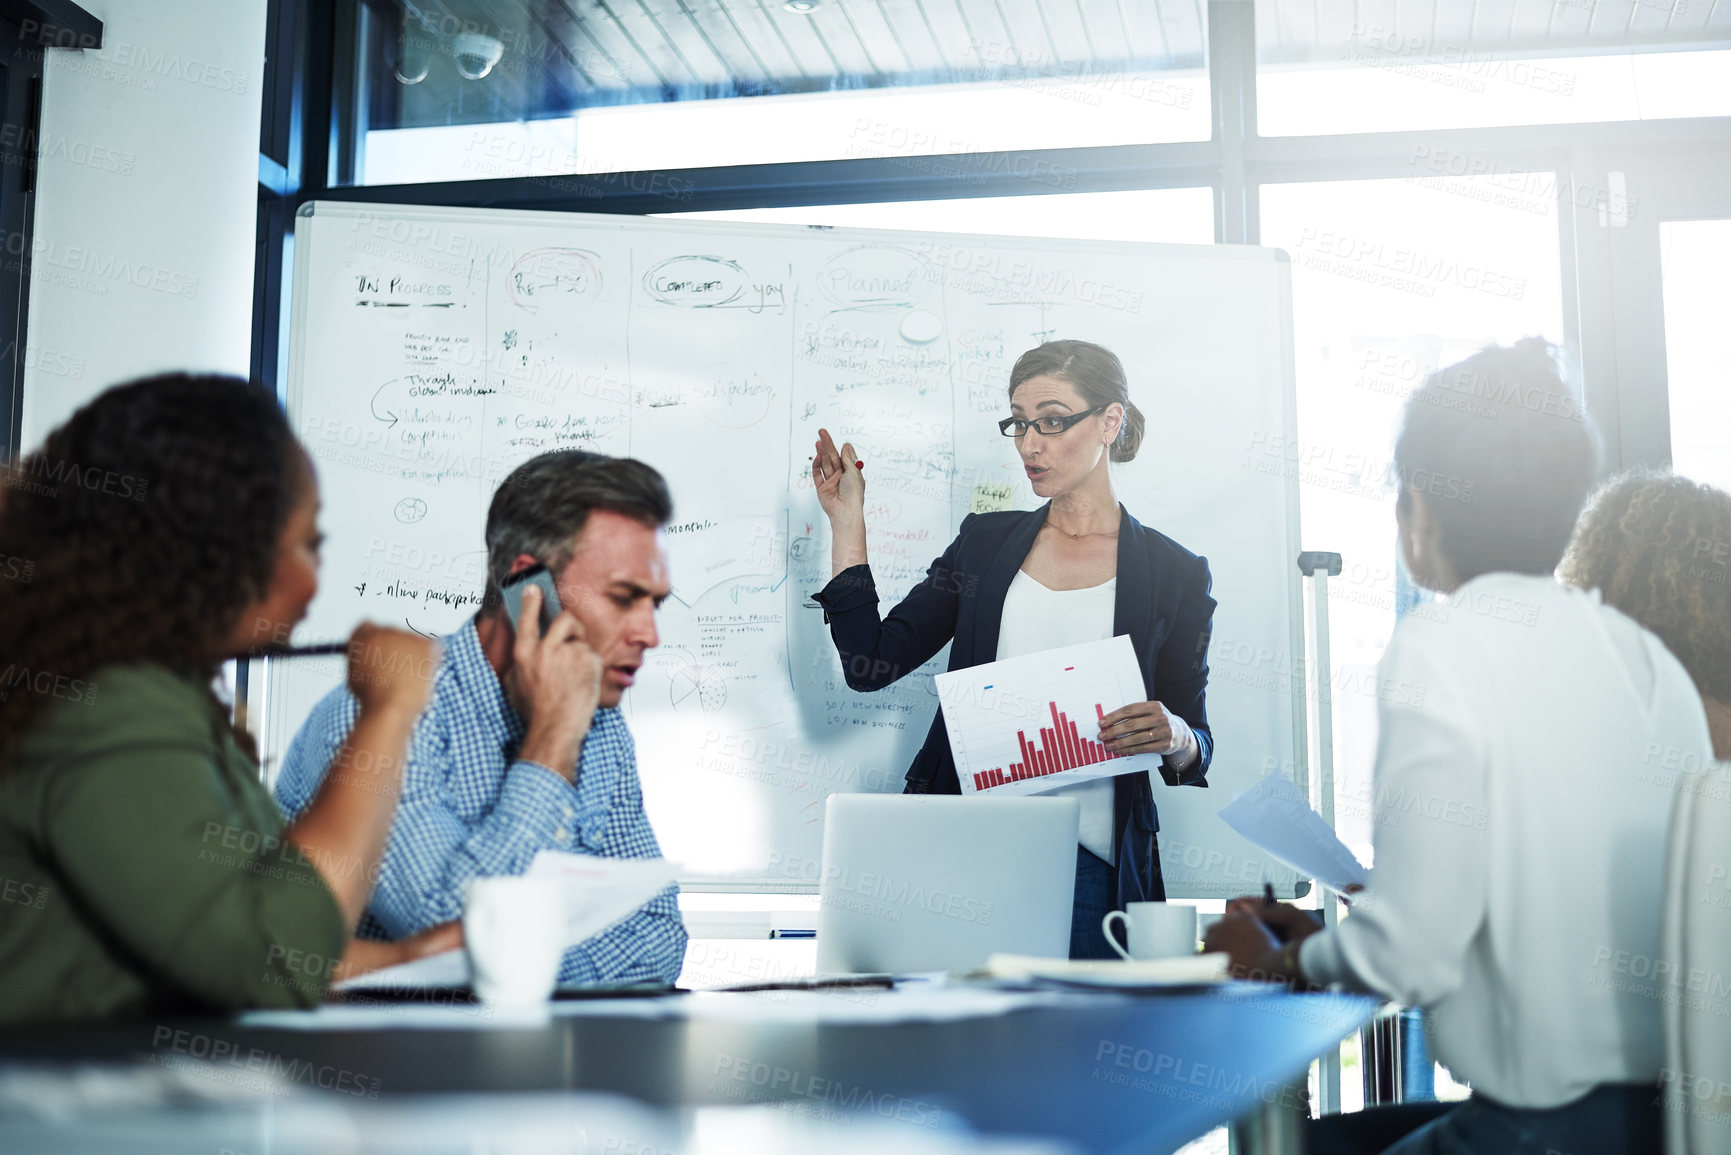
(562, 834)
(569, 812)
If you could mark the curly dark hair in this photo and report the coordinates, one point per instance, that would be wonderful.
(144, 526)
(1658, 547)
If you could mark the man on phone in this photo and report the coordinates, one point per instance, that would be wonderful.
(523, 747)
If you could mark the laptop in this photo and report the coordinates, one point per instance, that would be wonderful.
(925, 882)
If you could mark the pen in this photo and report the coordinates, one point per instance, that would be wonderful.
(322, 650)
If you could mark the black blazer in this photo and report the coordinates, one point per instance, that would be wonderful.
(1163, 603)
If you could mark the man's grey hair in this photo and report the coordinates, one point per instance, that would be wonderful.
(544, 503)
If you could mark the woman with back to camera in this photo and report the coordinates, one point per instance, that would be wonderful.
(1519, 835)
(1077, 569)
(170, 525)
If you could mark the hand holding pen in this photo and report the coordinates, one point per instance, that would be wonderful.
(1283, 920)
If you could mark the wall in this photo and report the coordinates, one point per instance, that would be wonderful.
(148, 193)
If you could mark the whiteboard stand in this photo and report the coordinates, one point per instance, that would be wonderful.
(1318, 567)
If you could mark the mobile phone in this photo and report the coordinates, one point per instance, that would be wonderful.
(535, 575)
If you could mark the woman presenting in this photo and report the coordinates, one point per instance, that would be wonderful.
(1077, 569)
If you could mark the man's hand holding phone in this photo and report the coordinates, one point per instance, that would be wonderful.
(559, 679)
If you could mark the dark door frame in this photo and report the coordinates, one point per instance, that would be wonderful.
(28, 31)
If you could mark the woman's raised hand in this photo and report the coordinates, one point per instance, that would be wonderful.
(836, 477)
(391, 668)
(344, 829)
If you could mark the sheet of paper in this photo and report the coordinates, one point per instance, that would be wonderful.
(1025, 725)
(447, 969)
(866, 1005)
(1184, 971)
(1275, 816)
(601, 891)
(447, 1016)
(598, 893)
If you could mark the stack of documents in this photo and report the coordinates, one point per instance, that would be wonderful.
(1140, 974)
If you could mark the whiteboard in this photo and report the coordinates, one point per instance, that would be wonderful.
(433, 350)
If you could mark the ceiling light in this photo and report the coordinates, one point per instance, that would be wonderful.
(476, 53)
(802, 7)
(412, 60)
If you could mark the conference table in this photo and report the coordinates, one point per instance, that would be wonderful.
(1093, 1072)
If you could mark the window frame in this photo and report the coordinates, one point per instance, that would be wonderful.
(311, 134)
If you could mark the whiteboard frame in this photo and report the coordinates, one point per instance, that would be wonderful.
(273, 724)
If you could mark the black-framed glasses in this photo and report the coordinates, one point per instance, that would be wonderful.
(1048, 426)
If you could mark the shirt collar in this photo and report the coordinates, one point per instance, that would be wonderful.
(1503, 580)
(478, 688)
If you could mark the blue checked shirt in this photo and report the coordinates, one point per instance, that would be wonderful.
(470, 809)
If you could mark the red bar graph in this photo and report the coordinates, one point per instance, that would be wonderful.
(1060, 747)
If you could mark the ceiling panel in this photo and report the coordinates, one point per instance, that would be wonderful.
(1146, 30)
(1186, 24)
(917, 35)
(607, 40)
(851, 57)
(882, 43)
(553, 37)
(1290, 31)
(566, 53)
(954, 41)
(986, 28)
(1680, 17)
(1039, 54)
(786, 59)
(1451, 24)
(1494, 18)
(646, 30)
(1335, 20)
(723, 39)
(1570, 23)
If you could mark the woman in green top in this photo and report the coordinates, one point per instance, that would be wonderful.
(170, 525)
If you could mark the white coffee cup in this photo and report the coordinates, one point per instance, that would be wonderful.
(513, 930)
(1154, 930)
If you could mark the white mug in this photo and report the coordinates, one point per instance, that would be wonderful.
(513, 930)
(1153, 929)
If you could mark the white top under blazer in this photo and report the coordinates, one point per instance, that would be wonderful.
(1523, 788)
(1036, 618)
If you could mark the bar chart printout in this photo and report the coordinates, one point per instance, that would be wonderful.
(1058, 749)
(1013, 725)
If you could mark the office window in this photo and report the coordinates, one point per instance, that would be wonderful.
(1693, 258)
(1392, 279)
(1325, 66)
(543, 87)
(1171, 216)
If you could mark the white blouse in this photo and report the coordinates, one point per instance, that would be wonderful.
(1036, 618)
